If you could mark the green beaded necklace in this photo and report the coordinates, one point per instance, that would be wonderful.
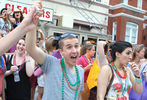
(70, 84)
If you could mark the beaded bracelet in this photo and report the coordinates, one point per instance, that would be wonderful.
(137, 76)
(138, 80)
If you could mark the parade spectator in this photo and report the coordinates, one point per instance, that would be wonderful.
(138, 54)
(29, 22)
(2, 72)
(115, 80)
(85, 60)
(18, 17)
(15, 21)
(63, 78)
(104, 57)
(41, 76)
(19, 68)
(143, 72)
(5, 24)
(107, 51)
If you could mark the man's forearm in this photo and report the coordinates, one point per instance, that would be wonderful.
(10, 39)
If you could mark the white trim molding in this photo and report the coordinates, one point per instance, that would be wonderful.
(122, 5)
(126, 15)
(145, 17)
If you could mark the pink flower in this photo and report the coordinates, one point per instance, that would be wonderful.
(117, 86)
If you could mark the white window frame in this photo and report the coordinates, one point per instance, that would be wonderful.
(132, 26)
(114, 31)
(139, 4)
(98, 0)
(125, 1)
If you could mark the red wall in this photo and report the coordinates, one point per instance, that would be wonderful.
(121, 20)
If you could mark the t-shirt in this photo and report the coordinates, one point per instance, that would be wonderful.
(53, 80)
(6, 28)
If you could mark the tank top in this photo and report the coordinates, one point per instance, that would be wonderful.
(17, 90)
(120, 87)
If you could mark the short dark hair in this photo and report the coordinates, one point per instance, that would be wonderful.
(3, 10)
(107, 45)
(119, 46)
(65, 36)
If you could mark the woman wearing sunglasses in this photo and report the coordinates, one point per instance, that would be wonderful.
(115, 80)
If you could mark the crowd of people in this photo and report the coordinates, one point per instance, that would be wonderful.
(59, 69)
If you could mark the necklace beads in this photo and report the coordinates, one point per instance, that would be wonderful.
(70, 84)
(125, 73)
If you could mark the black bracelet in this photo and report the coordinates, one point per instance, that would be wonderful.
(136, 76)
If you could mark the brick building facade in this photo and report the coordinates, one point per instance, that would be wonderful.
(128, 21)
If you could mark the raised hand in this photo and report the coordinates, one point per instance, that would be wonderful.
(9, 11)
(135, 69)
(32, 18)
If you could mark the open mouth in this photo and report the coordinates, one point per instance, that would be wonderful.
(74, 58)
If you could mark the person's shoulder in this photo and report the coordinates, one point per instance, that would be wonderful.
(81, 58)
(106, 68)
(54, 59)
(80, 68)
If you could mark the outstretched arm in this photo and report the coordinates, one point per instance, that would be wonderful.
(100, 50)
(29, 22)
(30, 64)
(35, 52)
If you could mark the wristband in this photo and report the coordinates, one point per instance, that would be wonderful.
(136, 76)
(138, 80)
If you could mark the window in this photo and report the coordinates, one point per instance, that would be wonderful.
(125, 1)
(81, 27)
(114, 31)
(98, 0)
(139, 4)
(131, 32)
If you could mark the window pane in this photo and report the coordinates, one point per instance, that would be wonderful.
(134, 32)
(133, 40)
(114, 31)
(98, 0)
(131, 32)
(139, 4)
(128, 31)
(125, 1)
(127, 39)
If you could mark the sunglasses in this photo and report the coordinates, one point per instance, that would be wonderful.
(67, 34)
